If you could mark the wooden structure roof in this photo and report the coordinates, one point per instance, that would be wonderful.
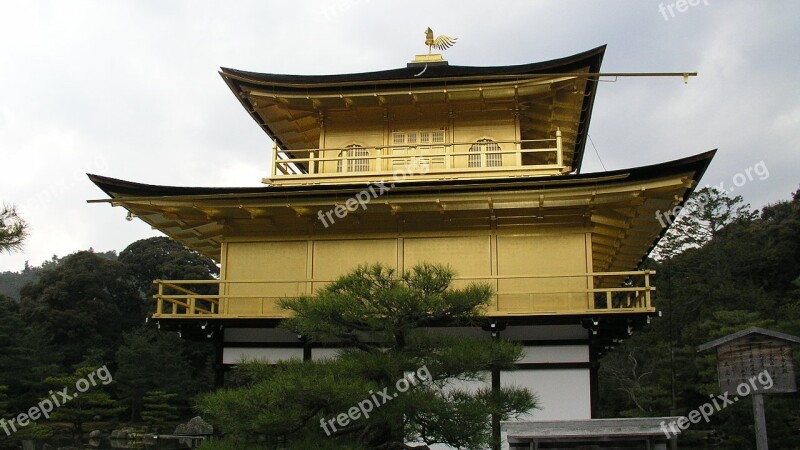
(549, 95)
(596, 433)
(619, 207)
(746, 333)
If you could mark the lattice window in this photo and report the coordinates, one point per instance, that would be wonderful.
(490, 148)
(354, 163)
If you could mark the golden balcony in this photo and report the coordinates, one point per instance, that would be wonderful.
(420, 161)
(515, 295)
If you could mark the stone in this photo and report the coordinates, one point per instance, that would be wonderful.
(195, 426)
(122, 433)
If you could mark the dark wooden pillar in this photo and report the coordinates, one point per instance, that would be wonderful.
(594, 379)
(219, 367)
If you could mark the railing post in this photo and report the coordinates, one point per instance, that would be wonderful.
(448, 155)
(274, 162)
(222, 308)
(518, 155)
(647, 288)
(159, 299)
(192, 305)
(559, 149)
(343, 158)
(497, 294)
(379, 159)
(311, 163)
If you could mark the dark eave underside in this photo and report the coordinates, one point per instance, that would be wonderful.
(620, 206)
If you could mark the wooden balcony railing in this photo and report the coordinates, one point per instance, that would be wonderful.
(515, 295)
(431, 160)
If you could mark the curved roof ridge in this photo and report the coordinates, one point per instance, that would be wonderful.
(591, 57)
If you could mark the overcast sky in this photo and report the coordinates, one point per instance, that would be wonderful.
(131, 90)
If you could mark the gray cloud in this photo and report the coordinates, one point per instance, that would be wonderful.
(131, 90)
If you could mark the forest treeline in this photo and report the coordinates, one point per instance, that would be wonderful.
(721, 268)
(88, 310)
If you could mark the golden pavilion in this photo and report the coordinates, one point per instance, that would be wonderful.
(478, 168)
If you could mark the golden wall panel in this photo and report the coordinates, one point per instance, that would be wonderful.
(550, 254)
(341, 134)
(338, 257)
(483, 258)
(278, 262)
(468, 256)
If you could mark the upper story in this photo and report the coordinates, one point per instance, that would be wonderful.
(427, 120)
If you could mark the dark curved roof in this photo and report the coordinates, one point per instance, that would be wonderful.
(433, 76)
(591, 58)
(192, 214)
(116, 188)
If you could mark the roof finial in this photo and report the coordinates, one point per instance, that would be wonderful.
(442, 42)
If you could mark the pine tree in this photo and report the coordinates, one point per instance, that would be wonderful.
(703, 216)
(13, 229)
(147, 361)
(159, 407)
(381, 318)
(82, 406)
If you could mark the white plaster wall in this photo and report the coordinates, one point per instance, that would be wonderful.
(564, 394)
(259, 335)
(320, 353)
(556, 354)
(235, 355)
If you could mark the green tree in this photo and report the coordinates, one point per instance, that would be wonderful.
(159, 408)
(12, 354)
(13, 229)
(26, 357)
(3, 409)
(380, 316)
(85, 302)
(703, 216)
(745, 275)
(3, 400)
(149, 360)
(12, 282)
(167, 259)
(83, 406)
